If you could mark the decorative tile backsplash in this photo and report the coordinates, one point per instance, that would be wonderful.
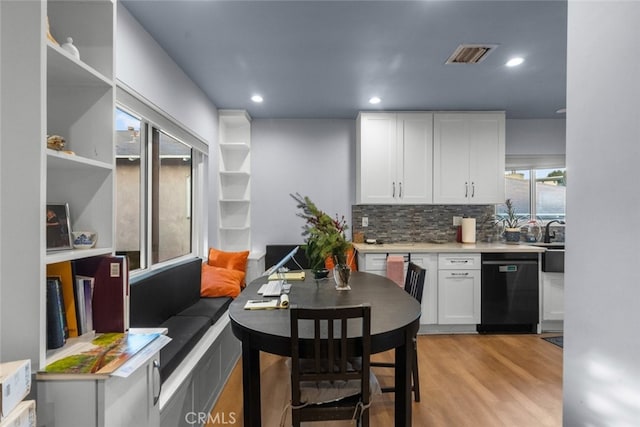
(420, 223)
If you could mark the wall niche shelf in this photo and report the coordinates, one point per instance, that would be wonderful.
(234, 177)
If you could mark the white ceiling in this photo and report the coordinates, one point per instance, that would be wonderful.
(325, 59)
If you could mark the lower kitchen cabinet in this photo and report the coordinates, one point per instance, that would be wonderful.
(102, 402)
(552, 296)
(459, 282)
(429, 302)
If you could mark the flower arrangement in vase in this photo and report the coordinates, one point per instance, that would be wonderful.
(324, 238)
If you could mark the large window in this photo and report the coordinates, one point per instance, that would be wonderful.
(536, 193)
(154, 191)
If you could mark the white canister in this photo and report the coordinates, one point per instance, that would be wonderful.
(468, 230)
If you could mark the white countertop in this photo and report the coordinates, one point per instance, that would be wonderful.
(445, 247)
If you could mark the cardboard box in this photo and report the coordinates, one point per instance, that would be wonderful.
(23, 415)
(15, 381)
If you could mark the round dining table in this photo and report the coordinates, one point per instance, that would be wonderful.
(395, 319)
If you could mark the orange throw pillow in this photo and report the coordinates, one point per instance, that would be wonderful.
(232, 260)
(220, 282)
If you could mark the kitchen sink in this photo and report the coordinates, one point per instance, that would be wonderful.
(553, 257)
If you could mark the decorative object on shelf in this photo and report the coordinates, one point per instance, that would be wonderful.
(49, 35)
(55, 142)
(325, 238)
(512, 224)
(69, 47)
(58, 226)
(84, 239)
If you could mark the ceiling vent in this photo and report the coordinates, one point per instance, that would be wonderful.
(470, 53)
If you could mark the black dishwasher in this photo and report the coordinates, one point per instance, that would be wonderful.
(509, 297)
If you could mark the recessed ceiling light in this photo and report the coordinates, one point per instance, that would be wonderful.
(515, 61)
(374, 100)
(257, 99)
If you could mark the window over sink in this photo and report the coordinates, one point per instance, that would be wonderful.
(536, 193)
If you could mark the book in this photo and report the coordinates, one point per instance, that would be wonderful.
(24, 415)
(55, 314)
(15, 385)
(266, 304)
(110, 299)
(288, 276)
(84, 296)
(101, 355)
(64, 271)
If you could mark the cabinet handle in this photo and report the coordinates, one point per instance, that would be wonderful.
(473, 189)
(156, 380)
(466, 189)
(400, 194)
(459, 274)
(393, 189)
(459, 261)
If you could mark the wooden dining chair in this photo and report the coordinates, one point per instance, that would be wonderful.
(414, 286)
(335, 382)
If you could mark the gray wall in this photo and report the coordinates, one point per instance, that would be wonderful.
(602, 296)
(315, 158)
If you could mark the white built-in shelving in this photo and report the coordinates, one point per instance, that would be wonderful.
(234, 176)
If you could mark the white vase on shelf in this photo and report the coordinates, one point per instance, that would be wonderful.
(69, 47)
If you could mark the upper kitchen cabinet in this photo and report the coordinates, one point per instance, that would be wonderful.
(394, 158)
(469, 155)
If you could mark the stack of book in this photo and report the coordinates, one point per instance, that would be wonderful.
(15, 381)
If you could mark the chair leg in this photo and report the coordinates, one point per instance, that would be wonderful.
(416, 376)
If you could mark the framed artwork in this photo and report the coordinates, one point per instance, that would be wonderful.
(58, 227)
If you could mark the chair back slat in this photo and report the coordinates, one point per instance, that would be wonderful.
(332, 348)
(414, 281)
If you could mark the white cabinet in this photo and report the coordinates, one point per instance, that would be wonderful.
(373, 263)
(102, 402)
(469, 158)
(234, 172)
(394, 158)
(552, 296)
(459, 289)
(429, 302)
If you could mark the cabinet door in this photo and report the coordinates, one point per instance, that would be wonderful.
(133, 401)
(429, 302)
(376, 155)
(451, 159)
(552, 296)
(486, 160)
(458, 297)
(415, 131)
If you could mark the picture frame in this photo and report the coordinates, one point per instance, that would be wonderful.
(58, 227)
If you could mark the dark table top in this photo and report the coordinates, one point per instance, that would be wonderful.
(393, 312)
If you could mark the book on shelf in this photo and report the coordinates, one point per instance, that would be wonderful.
(110, 299)
(56, 322)
(84, 296)
(64, 271)
(99, 355)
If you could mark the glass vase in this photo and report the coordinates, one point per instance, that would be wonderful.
(341, 274)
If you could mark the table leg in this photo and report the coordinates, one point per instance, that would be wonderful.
(251, 385)
(403, 383)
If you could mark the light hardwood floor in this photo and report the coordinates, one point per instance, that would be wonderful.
(465, 380)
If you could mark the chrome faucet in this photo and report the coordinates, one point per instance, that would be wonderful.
(547, 236)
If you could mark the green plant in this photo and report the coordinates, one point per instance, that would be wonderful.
(512, 220)
(324, 236)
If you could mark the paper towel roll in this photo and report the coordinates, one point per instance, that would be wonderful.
(468, 230)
